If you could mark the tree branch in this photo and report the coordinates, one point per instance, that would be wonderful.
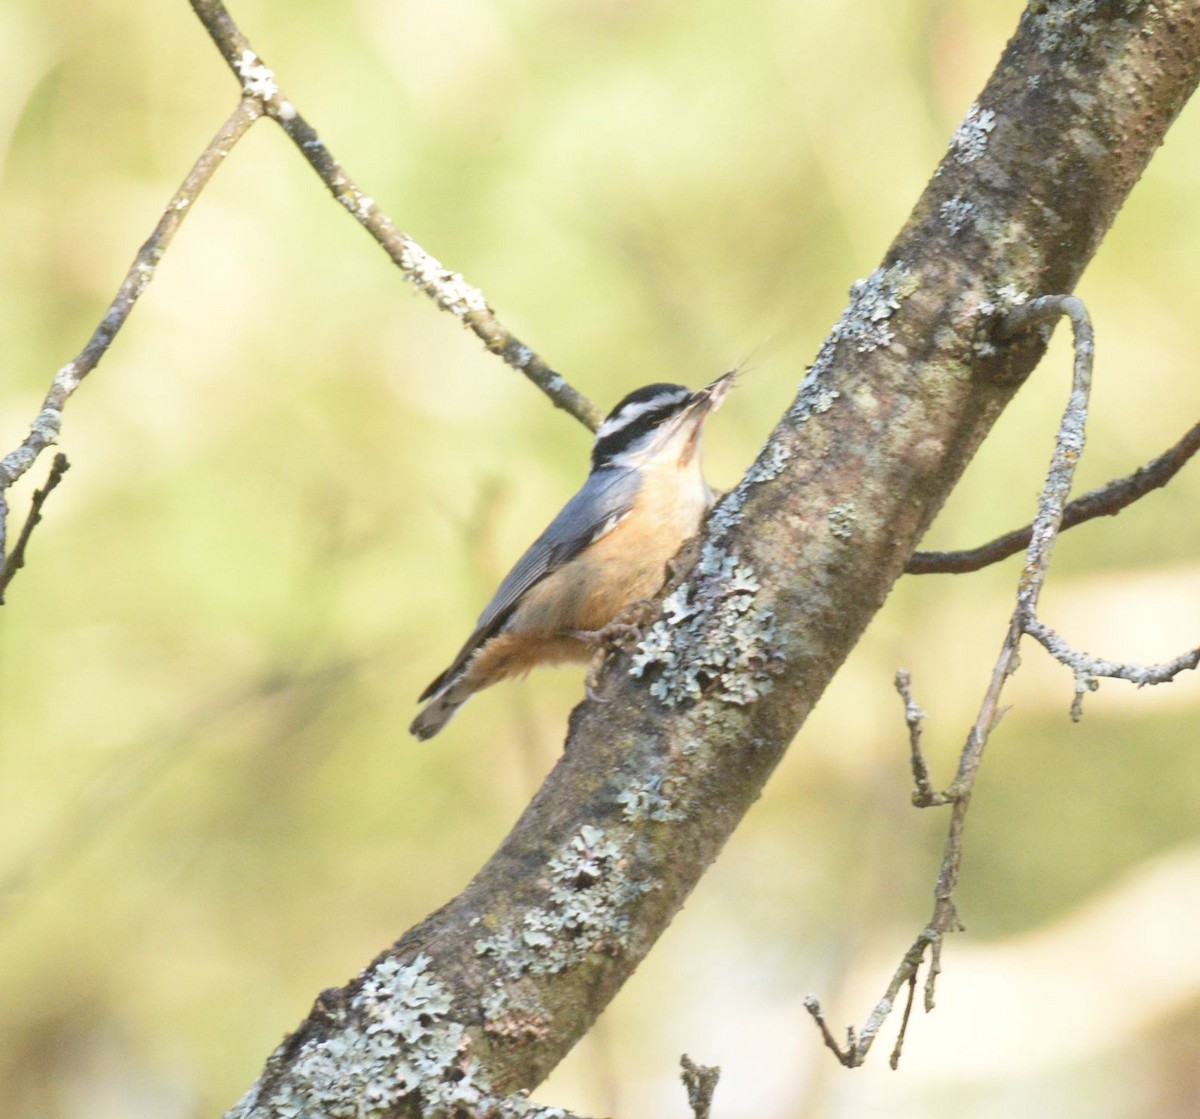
(1046, 526)
(1107, 501)
(446, 288)
(260, 94)
(477, 1003)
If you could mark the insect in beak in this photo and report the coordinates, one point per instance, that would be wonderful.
(703, 402)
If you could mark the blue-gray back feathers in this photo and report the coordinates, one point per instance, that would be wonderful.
(606, 497)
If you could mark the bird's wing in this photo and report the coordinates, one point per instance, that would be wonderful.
(597, 509)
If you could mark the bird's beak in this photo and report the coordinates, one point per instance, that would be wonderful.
(703, 402)
(712, 396)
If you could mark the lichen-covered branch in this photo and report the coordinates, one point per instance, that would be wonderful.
(686, 727)
(446, 288)
(1106, 501)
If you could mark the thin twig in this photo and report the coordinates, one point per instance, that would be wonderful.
(1042, 534)
(700, 1082)
(894, 1059)
(1088, 669)
(1046, 526)
(1107, 501)
(45, 428)
(924, 794)
(1054, 514)
(11, 564)
(858, 1044)
(446, 288)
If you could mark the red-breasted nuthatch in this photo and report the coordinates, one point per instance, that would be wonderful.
(606, 550)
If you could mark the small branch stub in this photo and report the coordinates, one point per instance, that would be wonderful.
(924, 795)
(700, 1082)
(10, 565)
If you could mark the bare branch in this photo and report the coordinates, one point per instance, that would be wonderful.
(924, 794)
(446, 288)
(1106, 501)
(910, 998)
(10, 565)
(958, 795)
(1051, 511)
(260, 93)
(46, 426)
(858, 1044)
(1088, 669)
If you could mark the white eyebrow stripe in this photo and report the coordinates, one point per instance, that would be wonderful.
(631, 412)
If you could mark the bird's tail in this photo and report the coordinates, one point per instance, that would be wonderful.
(440, 709)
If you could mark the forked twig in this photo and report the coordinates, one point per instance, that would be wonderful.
(1041, 536)
(1046, 526)
(448, 289)
(700, 1082)
(12, 563)
(261, 96)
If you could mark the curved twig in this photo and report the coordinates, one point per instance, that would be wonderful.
(1051, 510)
(1106, 501)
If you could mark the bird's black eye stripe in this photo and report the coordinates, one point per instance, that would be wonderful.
(634, 418)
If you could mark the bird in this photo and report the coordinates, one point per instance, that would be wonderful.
(606, 551)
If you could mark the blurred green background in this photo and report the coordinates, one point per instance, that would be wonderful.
(295, 483)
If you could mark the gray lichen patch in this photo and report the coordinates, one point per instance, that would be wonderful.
(863, 324)
(1071, 24)
(398, 1049)
(957, 213)
(585, 910)
(397, 1039)
(513, 1014)
(647, 799)
(770, 462)
(451, 291)
(728, 513)
(842, 519)
(713, 641)
(970, 138)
